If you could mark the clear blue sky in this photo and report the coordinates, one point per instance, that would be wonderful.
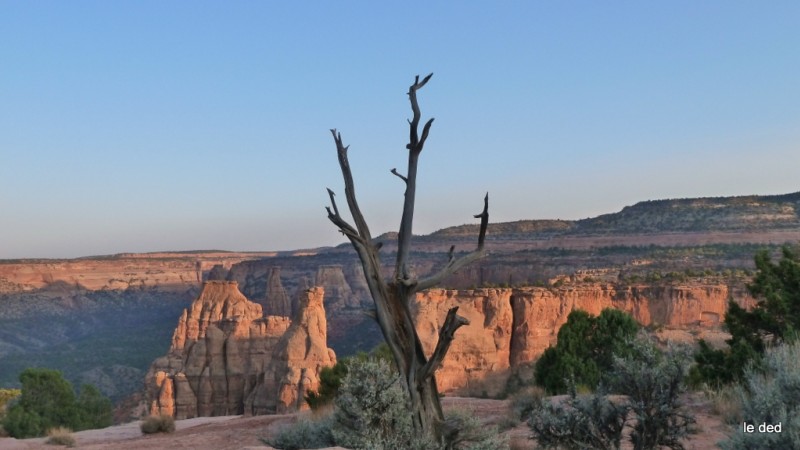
(145, 126)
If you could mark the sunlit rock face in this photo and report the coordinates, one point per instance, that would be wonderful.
(512, 327)
(297, 361)
(221, 350)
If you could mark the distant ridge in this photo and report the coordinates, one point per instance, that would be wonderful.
(712, 214)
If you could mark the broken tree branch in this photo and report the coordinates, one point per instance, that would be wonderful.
(350, 190)
(454, 265)
(396, 173)
(451, 323)
(414, 147)
(484, 216)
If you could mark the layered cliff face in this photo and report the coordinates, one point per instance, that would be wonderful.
(510, 327)
(220, 351)
(297, 360)
(480, 349)
(166, 272)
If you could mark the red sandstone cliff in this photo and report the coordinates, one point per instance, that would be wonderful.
(166, 271)
(223, 346)
(297, 360)
(510, 327)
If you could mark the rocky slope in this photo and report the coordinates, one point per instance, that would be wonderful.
(228, 358)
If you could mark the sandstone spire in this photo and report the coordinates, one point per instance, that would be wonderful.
(226, 358)
(220, 345)
(276, 301)
(298, 358)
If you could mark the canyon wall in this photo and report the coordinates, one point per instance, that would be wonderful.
(165, 271)
(511, 327)
(226, 356)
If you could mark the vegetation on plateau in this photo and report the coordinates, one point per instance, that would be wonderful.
(585, 350)
(371, 410)
(647, 384)
(774, 320)
(48, 401)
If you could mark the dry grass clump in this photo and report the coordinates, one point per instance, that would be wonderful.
(525, 401)
(60, 436)
(161, 423)
(727, 404)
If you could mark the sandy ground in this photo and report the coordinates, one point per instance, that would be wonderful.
(237, 432)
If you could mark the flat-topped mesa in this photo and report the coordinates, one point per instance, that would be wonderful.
(512, 327)
(276, 301)
(297, 360)
(220, 350)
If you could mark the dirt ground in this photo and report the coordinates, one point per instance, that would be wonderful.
(237, 432)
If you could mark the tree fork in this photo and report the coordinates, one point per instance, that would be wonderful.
(393, 298)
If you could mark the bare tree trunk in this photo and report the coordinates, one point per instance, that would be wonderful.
(393, 298)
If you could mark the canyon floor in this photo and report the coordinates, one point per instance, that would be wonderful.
(237, 432)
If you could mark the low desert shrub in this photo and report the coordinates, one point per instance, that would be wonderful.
(372, 409)
(524, 402)
(60, 436)
(726, 403)
(650, 384)
(579, 422)
(654, 383)
(772, 396)
(468, 433)
(161, 423)
(304, 434)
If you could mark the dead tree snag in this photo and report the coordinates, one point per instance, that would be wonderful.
(393, 297)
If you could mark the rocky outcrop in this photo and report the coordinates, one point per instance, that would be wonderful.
(302, 286)
(220, 351)
(354, 274)
(298, 358)
(481, 348)
(276, 301)
(511, 327)
(217, 273)
(339, 294)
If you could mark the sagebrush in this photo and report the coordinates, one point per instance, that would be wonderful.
(649, 383)
(60, 436)
(772, 396)
(372, 411)
(161, 423)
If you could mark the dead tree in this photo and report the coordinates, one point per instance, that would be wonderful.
(393, 297)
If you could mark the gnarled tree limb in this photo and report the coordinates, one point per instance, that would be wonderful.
(451, 323)
(414, 147)
(350, 190)
(393, 298)
(454, 265)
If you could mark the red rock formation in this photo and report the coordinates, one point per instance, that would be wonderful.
(220, 350)
(298, 358)
(339, 294)
(510, 327)
(168, 272)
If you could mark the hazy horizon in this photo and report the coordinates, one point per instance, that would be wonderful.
(151, 127)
